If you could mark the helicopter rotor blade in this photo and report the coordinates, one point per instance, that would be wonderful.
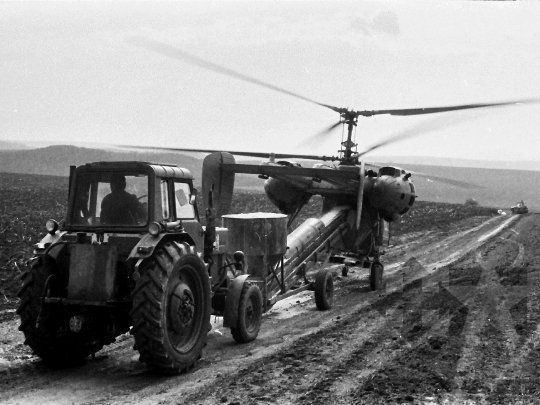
(294, 156)
(265, 155)
(440, 179)
(422, 128)
(433, 110)
(319, 136)
(173, 52)
(446, 180)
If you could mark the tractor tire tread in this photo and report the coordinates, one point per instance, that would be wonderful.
(147, 310)
(240, 331)
(54, 349)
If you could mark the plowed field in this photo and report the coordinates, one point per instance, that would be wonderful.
(458, 322)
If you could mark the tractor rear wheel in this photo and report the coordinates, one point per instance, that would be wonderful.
(249, 314)
(376, 277)
(324, 289)
(47, 331)
(171, 309)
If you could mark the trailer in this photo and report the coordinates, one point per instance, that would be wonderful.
(274, 265)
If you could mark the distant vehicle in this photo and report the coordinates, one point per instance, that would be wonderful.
(519, 208)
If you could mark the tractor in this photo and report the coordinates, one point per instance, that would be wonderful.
(132, 255)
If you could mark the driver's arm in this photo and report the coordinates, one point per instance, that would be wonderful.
(137, 209)
(105, 208)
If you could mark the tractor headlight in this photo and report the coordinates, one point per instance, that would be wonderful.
(154, 228)
(52, 226)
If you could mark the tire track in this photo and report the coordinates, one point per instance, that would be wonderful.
(336, 370)
(489, 326)
(304, 352)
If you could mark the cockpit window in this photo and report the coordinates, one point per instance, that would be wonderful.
(388, 171)
(111, 199)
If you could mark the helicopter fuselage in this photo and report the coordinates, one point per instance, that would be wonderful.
(390, 191)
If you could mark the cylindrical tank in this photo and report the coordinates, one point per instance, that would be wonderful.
(261, 236)
(303, 236)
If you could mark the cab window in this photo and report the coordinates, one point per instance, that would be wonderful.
(182, 197)
(111, 198)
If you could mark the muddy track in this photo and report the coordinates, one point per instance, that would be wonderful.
(429, 337)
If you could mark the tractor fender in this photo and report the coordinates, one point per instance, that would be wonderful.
(232, 300)
(148, 243)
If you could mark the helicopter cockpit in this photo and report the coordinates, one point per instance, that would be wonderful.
(391, 171)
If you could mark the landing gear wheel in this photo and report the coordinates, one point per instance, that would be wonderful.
(324, 289)
(47, 332)
(249, 314)
(171, 309)
(376, 277)
(345, 270)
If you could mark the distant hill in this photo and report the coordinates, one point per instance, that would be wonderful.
(55, 160)
(499, 188)
(10, 145)
(405, 160)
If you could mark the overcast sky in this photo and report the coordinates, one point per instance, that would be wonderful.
(68, 74)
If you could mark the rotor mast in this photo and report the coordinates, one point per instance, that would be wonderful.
(349, 118)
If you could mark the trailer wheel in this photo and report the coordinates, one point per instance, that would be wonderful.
(249, 314)
(171, 309)
(376, 277)
(324, 289)
(46, 331)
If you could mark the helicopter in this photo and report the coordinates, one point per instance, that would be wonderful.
(371, 199)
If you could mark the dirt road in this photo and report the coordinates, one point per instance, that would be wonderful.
(458, 323)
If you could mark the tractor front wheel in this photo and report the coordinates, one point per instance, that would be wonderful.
(171, 309)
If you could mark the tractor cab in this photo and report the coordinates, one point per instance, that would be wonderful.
(128, 196)
(88, 282)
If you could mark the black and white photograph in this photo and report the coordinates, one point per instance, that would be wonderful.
(269, 202)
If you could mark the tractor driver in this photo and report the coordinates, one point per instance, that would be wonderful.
(120, 207)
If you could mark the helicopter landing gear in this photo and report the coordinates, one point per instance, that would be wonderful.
(376, 276)
(324, 290)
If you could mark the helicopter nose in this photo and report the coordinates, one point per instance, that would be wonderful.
(388, 197)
